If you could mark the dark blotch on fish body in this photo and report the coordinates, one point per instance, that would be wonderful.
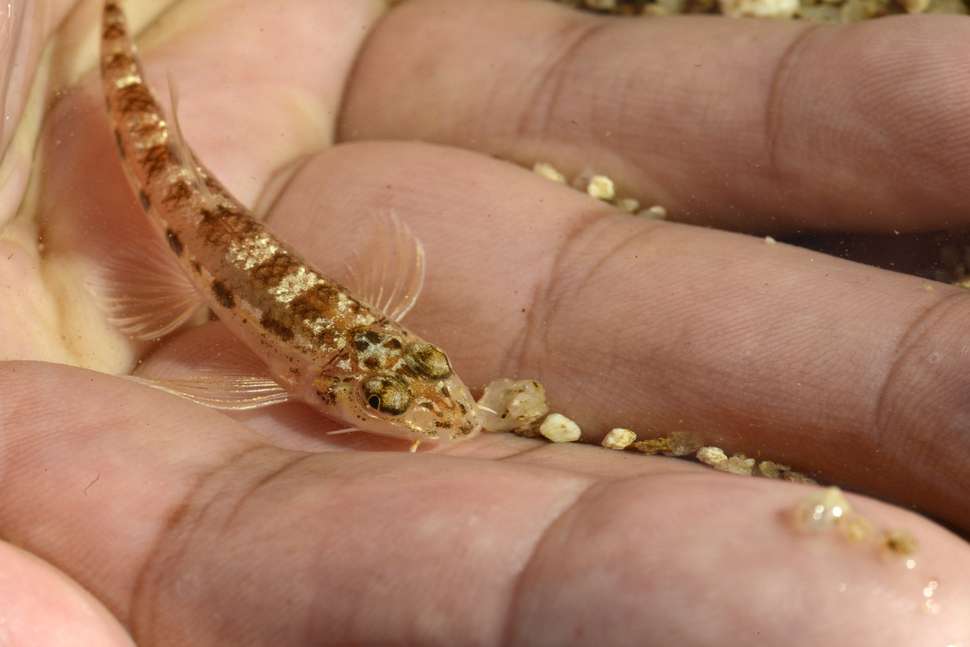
(174, 242)
(137, 98)
(364, 340)
(113, 31)
(176, 193)
(276, 327)
(223, 294)
(154, 160)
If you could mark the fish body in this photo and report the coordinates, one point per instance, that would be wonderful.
(320, 342)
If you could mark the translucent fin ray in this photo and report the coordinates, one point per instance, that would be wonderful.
(143, 291)
(233, 358)
(346, 430)
(222, 374)
(184, 157)
(229, 392)
(387, 271)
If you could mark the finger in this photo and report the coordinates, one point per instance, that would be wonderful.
(194, 535)
(761, 126)
(43, 608)
(718, 562)
(24, 33)
(92, 465)
(189, 529)
(842, 370)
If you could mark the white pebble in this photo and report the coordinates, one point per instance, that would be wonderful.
(822, 509)
(601, 188)
(619, 438)
(549, 172)
(512, 404)
(711, 456)
(759, 8)
(630, 205)
(737, 465)
(560, 429)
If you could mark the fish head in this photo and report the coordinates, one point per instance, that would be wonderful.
(412, 394)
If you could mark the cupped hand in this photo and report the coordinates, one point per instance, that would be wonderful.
(195, 527)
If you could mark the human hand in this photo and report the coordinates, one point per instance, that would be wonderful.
(192, 528)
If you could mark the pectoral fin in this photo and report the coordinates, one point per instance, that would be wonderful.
(387, 270)
(217, 373)
(143, 291)
(228, 392)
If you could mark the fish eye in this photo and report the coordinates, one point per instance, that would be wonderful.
(428, 360)
(386, 394)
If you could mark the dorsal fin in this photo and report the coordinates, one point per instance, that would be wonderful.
(180, 149)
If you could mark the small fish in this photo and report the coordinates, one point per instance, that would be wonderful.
(317, 340)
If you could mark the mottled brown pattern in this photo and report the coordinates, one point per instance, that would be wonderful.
(146, 130)
(269, 273)
(220, 215)
(112, 31)
(339, 358)
(211, 183)
(311, 303)
(324, 338)
(402, 369)
(144, 200)
(429, 361)
(119, 64)
(176, 194)
(136, 97)
(223, 294)
(241, 220)
(365, 339)
(225, 223)
(272, 325)
(302, 314)
(328, 396)
(154, 160)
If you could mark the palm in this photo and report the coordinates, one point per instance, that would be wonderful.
(193, 529)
